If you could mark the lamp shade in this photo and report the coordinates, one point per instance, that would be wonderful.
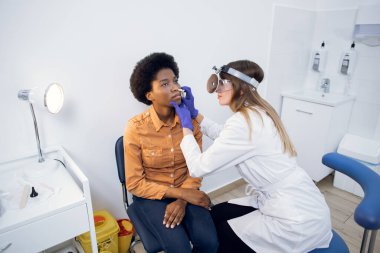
(51, 98)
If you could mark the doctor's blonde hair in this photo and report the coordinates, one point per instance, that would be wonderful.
(245, 98)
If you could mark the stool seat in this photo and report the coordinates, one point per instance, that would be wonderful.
(337, 245)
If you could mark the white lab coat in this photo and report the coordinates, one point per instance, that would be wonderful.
(292, 214)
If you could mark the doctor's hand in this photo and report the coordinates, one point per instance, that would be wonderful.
(196, 197)
(174, 213)
(184, 115)
(189, 102)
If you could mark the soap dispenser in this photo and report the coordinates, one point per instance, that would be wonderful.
(348, 60)
(319, 59)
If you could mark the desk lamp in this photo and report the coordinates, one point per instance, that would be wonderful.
(51, 99)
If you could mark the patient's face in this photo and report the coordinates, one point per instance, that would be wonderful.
(165, 88)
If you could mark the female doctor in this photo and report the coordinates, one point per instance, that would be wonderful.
(283, 211)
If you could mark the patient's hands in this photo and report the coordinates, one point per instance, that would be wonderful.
(196, 197)
(192, 196)
(174, 213)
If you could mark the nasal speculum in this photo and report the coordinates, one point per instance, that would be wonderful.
(183, 92)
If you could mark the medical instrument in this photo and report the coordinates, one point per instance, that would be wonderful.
(216, 81)
(183, 92)
(34, 193)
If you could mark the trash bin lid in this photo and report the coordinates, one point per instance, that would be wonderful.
(105, 227)
(360, 148)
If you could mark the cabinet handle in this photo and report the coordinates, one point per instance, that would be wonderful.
(298, 110)
(5, 248)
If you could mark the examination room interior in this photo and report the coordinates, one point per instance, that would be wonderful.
(91, 48)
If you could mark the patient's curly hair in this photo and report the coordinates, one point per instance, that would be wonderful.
(145, 72)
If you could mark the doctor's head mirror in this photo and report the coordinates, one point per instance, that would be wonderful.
(216, 82)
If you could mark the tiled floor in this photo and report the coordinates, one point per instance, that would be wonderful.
(342, 206)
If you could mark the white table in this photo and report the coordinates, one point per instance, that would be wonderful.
(42, 224)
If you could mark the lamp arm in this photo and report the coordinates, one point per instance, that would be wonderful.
(40, 157)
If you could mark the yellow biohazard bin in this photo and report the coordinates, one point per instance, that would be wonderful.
(125, 235)
(106, 229)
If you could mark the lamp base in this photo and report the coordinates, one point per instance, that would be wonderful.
(41, 169)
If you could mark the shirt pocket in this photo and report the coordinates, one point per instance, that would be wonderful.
(179, 158)
(154, 157)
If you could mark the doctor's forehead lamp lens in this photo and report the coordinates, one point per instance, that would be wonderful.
(215, 82)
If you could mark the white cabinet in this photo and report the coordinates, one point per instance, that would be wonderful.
(315, 129)
(46, 222)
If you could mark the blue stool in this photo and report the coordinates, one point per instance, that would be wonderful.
(149, 241)
(337, 245)
(367, 213)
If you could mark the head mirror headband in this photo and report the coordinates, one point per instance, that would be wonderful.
(212, 82)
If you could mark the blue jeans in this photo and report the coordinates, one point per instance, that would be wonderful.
(197, 226)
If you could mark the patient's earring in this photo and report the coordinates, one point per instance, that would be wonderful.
(246, 103)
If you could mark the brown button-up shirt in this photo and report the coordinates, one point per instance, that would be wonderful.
(153, 157)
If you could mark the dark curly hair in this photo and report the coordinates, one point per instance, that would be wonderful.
(145, 72)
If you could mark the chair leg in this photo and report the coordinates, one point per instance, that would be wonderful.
(364, 241)
(372, 241)
(133, 244)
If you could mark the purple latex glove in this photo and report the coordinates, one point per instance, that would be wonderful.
(189, 102)
(183, 115)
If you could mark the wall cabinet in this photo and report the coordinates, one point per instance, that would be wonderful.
(315, 130)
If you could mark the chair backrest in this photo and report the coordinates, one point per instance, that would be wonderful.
(119, 153)
(151, 244)
(367, 213)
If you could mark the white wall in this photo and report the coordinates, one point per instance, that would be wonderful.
(336, 28)
(290, 60)
(91, 48)
(292, 35)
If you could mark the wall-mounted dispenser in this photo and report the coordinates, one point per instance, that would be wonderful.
(319, 59)
(348, 60)
(367, 25)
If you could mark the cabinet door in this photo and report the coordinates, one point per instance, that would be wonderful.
(307, 125)
(47, 232)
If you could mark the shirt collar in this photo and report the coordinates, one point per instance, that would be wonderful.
(158, 123)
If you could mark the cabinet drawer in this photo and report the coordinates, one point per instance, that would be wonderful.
(47, 232)
(305, 118)
(305, 108)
